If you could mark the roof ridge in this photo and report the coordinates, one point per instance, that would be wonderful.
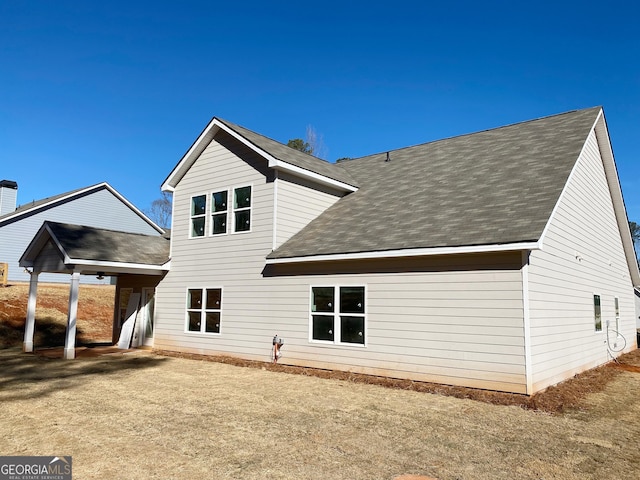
(462, 135)
(52, 222)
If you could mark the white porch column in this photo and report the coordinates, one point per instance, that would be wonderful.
(70, 340)
(30, 325)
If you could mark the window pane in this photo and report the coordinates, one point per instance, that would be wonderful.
(219, 201)
(243, 219)
(597, 313)
(219, 224)
(214, 297)
(322, 299)
(242, 197)
(352, 299)
(194, 321)
(194, 298)
(198, 205)
(352, 329)
(323, 327)
(197, 227)
(213, 322)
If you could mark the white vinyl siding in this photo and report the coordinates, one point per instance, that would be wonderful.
(100, 209)
(582, 255)
(298, 203)
(448, 319)
(451, 319)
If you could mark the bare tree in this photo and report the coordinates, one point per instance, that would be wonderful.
(160, 211)
(316, 142)
(313, 144)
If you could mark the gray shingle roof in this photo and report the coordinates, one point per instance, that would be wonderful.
(99, 244)
(37, 203)
(293, 156)
(492, 187)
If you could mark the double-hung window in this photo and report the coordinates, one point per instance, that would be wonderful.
(224, 206)
(338, 314)
(242, 209)
(203, 310)
(198, 214)
(219, 212)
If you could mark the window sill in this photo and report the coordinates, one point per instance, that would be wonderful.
(325, 343)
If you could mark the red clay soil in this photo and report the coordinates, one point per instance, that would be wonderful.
(556, 399)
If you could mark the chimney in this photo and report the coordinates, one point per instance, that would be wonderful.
(8, 196)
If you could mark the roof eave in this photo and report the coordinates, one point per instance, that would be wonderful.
(214, 126)
(409, 252)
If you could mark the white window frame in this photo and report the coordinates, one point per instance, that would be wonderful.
(192, 217)
(203, 311)
(233, 209)
(597, 312)
(337, 340)
(220, 213)
(616, 306)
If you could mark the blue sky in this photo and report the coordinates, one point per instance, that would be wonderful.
(117, 91)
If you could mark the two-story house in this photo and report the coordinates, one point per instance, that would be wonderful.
(498, 260)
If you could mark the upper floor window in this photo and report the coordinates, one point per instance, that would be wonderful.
(198, 209)
(242, 209)
(219, 211)
(232, 205)
(338, 314)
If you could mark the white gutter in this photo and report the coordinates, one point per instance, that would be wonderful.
(410, 252)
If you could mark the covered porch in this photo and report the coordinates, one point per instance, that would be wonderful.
(140, 260)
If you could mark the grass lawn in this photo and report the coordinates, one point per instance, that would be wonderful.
(142, 415)
(146, 416)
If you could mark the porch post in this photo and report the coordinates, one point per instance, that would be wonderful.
(70, 341)
(30, 324)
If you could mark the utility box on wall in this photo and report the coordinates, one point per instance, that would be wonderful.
(4, 272)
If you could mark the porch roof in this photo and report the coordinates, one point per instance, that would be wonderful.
(66, 248)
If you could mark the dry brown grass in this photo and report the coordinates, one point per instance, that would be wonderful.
(148, 416)
(160, 417)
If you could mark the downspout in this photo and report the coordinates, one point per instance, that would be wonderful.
(526, 321)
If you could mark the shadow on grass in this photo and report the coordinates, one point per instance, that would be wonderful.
(48, 333)
(26, 376)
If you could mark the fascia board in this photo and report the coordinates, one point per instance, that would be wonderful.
(316, 177)
(123, 265)
(613, 181)
(189, 157)
(278, 164)
(43, 206)
(207, 135)
(133, 207)
(38, 241)
(411, 252)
